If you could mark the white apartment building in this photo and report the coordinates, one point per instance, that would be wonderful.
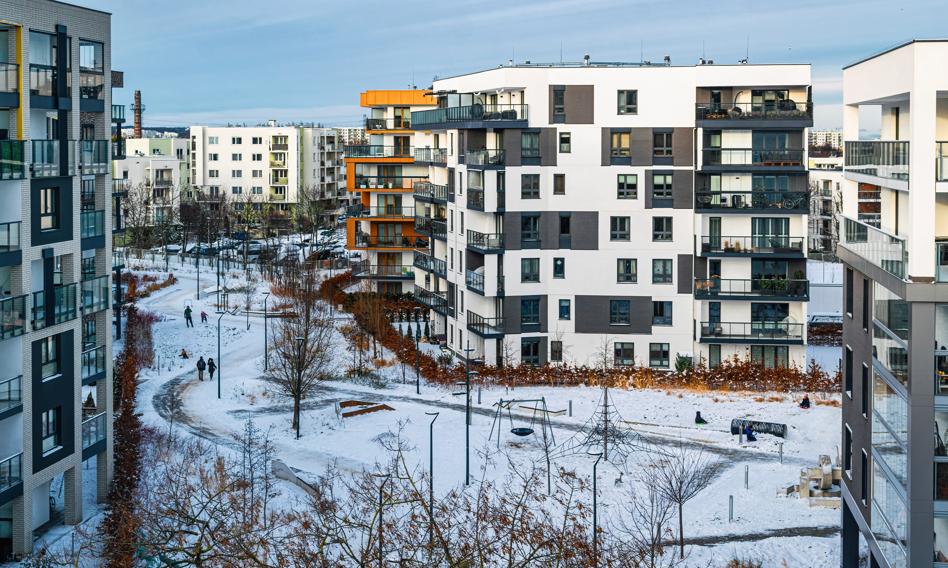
(637, 211)
(55, 260)
(323, 170)
(895, 315)
(158, 166)
(831, 138)
(351, 134)
(826, 201)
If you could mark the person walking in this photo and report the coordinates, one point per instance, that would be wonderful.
(211, 367)
(188, 322)
(203, 317)
(201, 365)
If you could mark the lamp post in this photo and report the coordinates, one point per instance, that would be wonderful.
(266, 324)
(417, 355)
(467, 413)
(385, 477)
(220, 364)
(595, 512)
(299, 385)
(431, 481)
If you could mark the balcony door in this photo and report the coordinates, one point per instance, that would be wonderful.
(389, 204)
(770, 232)
(390, 233)
(768, 100)
(714, 233)
(402, 117)
(402, 146)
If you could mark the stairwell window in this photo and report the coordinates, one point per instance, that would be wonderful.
(49, 208)
(628, 102)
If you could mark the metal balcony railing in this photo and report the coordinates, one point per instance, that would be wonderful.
(762, 200)
(12, 159)
(485, 242)
(474, 280)
(395, 123)
(437, 301)
(431, 155)
(93, 362)
(431, 192)
(383, 211)
(470, 113)
(91, 223)
(11, 471)
(61, 303)
(366, 270)
(95, 294)
(775, 110)
(756, 331)
(712, 288)
(395, 241)
(428, 263)
(753, 245)
(485, 327)
(879, 158)
(388, 182)
(888, 252)
(484, 158)
(12, 316)
(475, 199)
(118, 113)
(94, 430)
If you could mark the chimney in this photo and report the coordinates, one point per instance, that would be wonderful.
(137, 108)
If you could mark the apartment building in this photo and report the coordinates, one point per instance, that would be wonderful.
(161, 168)
(387, 173)
(826, 201)
(626, 212)
(826, 138)
(55, 242)
(323, 172)
(895, 322)
(351, 134)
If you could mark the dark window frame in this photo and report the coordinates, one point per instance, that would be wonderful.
(627, 277)
(529, 186)
(626, 107)
(530, 269)
(616, 230)
(620, 312)
(662, 313)
(663, 276)
(566, 141)
(663, 359)
(623, 354)
(625, 189)
(662, 229)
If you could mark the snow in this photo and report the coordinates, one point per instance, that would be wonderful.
(767, 528)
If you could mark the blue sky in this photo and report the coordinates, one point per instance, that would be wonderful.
(220, 61)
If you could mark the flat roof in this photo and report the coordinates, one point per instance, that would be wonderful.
(893, 48)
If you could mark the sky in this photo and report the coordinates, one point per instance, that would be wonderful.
(216, 62)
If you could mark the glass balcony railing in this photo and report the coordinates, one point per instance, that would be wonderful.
(118, 113)
(11, 392)
(118, 148)
(789, 201)
(885, 159)
(12, 159)
(91, 223)
(384, 211)
(91, 85)
(484, 158)
(775, 110)
(94, 430)
(95, 294)
(388, 182)
(428, 263)
(9, 78)
(470, 113)
(11, 471)
(757, 331)
(752, 157)
(392, 241)
(485, 242)
(753, 245)
(888, 252)
(46, 156)
(485, 327)
(395, 123)
(474, 280)
(10, 236)
(12, 316)
(475, 199)
(431, 192)
(431, 155)
(42, 81)
(61, 304)
(377, 151)
(712, 288)
(366, 270)
(941, 161)
(93, 362)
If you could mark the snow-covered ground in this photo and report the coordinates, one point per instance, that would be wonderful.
(766, 528)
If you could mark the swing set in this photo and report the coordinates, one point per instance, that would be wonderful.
(541, 414)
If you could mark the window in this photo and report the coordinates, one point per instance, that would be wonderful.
(530, 351)
(559, 184)
(256, 190)
(661, 271)
(256, 157)
(864, 478)
(658, 355)
(661, 186)
(213, 157)
(214, 190)
(236, 173)
(49, 208)
(865, 390)
(848, 451)
(620, 312)
(49, 356)
(564, 309)
(530, 186)
(849, 292)
(236, 157)
(529, 144)
(90, 56)
(529, 269)
(770, 356)
(620, 145)
(559, 267)
(530, 230)
(556, 351)
(564, 227)
(626, 270)
(661, 228)
(662, 144)
(212, 139)
(50, 429)
(624, 354)
(714, 355)
(236, 140)
(628, 102)
(256, 140)
(865, 304)
(212, 173)
(618, 228)
(848, 371)
(565, 142)
(529, 311)
(627, 186)
(236, 190)
(559, 101)
(257, 173)
(661, 313)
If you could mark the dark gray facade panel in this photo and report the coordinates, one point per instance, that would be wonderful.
(606, 146)
(580, 104)
(647, 186)
(683, 182)
(550, 230)
(512, 230)
(52, 394)
(685, 273)
(64, 232)
(584, 226)
(512, 146)
(700, 267)
(475, 139)
(591, 314)
(683, 147)
(548, 147)
(544, 350)
(512, 323)
(641, 148)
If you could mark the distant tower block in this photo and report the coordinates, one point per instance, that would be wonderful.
(138, 108)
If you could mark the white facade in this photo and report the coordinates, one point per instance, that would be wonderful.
(831, 138)
(350, 134)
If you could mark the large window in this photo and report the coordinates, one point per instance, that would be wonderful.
(620, 312)
(770, 356)
(91, 56)
(530, 270)
(770, 232)
(619, 229)
(564, 309)
(662, 271)
(626, 270)
(659, 355)
(624, 355)
(627, 186)
(530, 186)
(890, 427)
(530, 144)
(530, 230)
(621, 146)
(628, 102)
(661, 313)
(49, 208)
(49, 356)
(529, 311)
(661, 228)
(49, 423)
(530, 351)
(662, 144)
(662, 187)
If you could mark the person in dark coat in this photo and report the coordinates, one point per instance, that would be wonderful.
(203, 316)
(805, 403)
(211, 367)
(749, 433)
(188, 322)
(699, 419)
(201, 365)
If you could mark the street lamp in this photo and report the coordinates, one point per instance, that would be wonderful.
(467, 413)
(299, 385)
(595, 511)
(385, 478)
(220, 364)
(431, 481)
(266, 352)
(417, 355)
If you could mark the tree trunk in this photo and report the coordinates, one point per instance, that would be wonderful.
(681, 530)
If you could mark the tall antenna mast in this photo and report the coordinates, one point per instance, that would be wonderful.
(747, 49)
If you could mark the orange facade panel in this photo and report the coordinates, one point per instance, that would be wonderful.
(397, 98)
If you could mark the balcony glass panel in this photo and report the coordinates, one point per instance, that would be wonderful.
(474, 280)
(783, 109)
(12, 159)
(882, 249)
(754, 331)
(431, 155)
(93, 362)
(757, 287)
(12, 316)
(91, 223)
(95, 294)
(377, 151)
(470, 113)
(889, 518)
(885, 159)
(11, 392)
(91, 85)
(93, 430)
(9, 77)
(780, 157)
(45, 158)
(10, 236)
(758, 244)
(777, 200)
(11, 471)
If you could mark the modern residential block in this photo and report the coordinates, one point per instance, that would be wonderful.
(895, 314)
(55, 259)
(159, 166)
(618, 213)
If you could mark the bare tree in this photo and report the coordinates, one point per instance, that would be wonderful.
(136, 206)
(644, 526)
(681, 473)
(605, 355)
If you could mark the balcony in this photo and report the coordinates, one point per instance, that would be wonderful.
(475, 198)
(55, 308)
(780, 289)
(472, 116)
(118, 148)
(278, 180)
(941, 161)
(11, 396)
(93, 364)
(758, 245)
(95, 294)
(435, 156)
(485, 243)
(768, 332)
(388, 182)
(377, 151)
(279, 146)
(740, 159)
(119, 186)
(387, 211)
(485, 327)
(383, 271)
(11, 472)
(437, 301)
(790, 114)
(43, 81)
(871, 161)
(12, 159)
(485, 159)
(752, 201)
(428, 263)
(94, 156)
(12, 316)
(434, 193)
(118, 114)
(46, 158)
(91, 85)
(395, 123)
(277, 163)
(474, 281)
(94, 430)
(92, 224)
(888, 252)
(9, 85)
(385, 242)
(277, 194)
